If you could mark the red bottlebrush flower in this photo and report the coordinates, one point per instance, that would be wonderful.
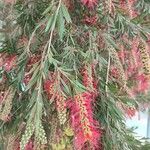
(87, 77)
(89, 3)
(89, 80)
(48, 87)
(114, 72)
(34, 59)
(16, 144)
(29, 145)
(131, 70)
(26, 79)
(143, 83)
(122, 54)
(90, 20)
(83, 123)
(7, 118)
(69, 5)
(127, 5)
(134, 50)
(130, 112)
(122, 3)
(9, 63)
(22, 42)
(59, 98)
(135, 13)
(9, 1)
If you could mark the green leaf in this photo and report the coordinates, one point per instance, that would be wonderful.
(143, 35)
(47, 10)
(110, 41)
(65, 13)
(33, 79)
(66, 88)
(79, 87)
(49, 23)
(60, 25)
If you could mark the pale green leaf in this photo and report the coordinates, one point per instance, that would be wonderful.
(66, 13)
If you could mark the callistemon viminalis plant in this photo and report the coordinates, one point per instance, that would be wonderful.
(68, 63)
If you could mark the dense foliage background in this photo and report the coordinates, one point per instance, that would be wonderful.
(71, 71)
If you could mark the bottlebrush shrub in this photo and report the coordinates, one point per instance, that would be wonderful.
(86, 129)
(79, 41)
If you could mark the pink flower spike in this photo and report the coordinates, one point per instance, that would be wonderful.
(29, 146)
(10, 63)
(9, 1)
(143, 83)
(89, 3)
(82, 121)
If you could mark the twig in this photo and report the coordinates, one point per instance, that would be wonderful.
(107, 75)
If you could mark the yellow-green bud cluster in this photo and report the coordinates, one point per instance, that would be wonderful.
(8, 104)
(26, 136)
(118, 65)
(145, 58)
(40, 135)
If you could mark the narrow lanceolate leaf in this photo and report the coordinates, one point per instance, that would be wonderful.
(66, 13)
(60, 25)
(49, 23)
(34, 78)
(48, 9)
(110, 41)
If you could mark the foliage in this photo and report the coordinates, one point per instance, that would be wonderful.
(71, 71)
